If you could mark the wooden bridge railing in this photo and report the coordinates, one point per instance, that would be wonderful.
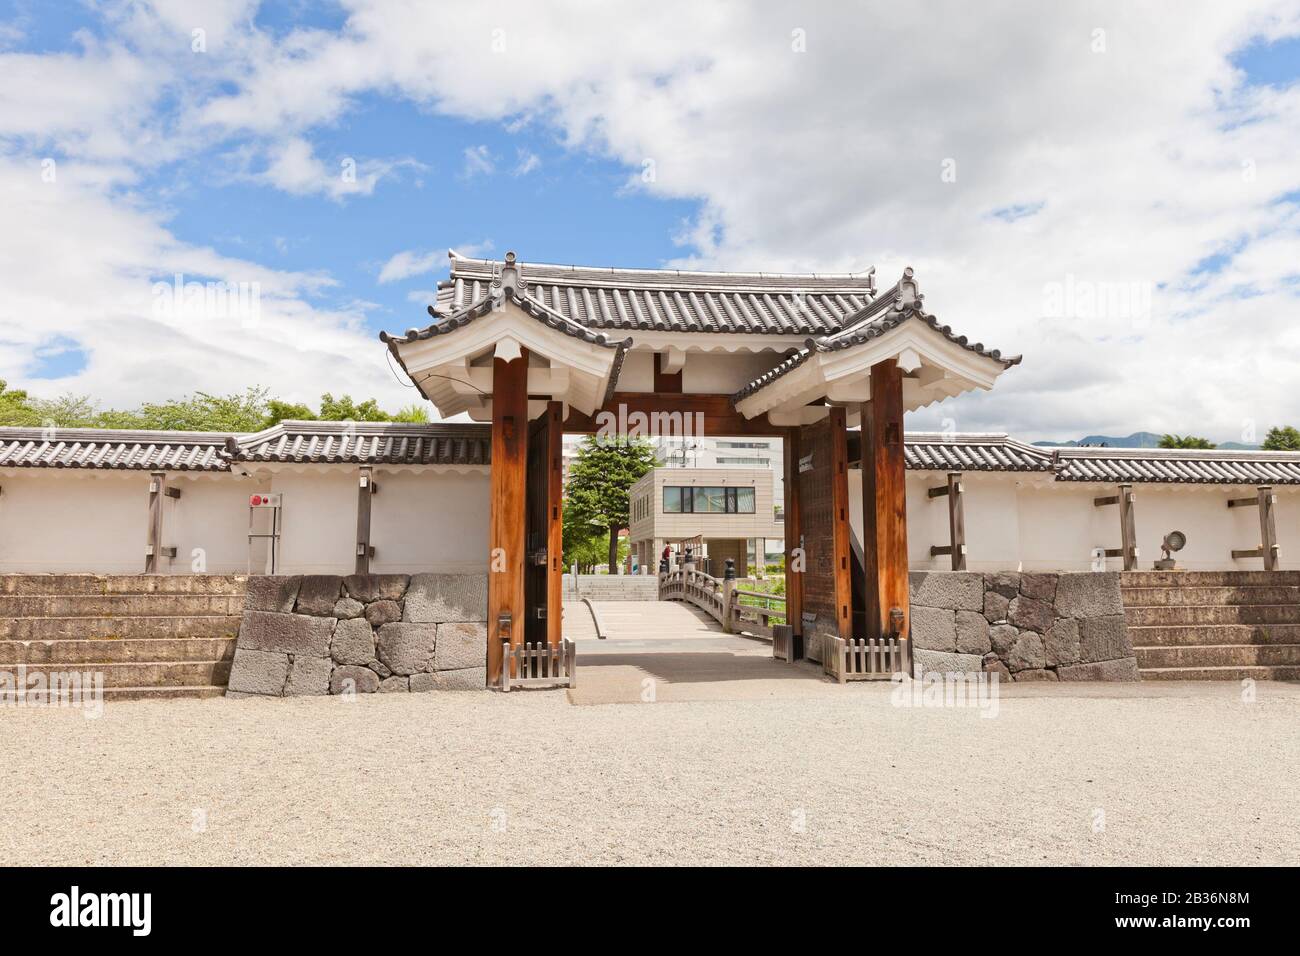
(735, 608)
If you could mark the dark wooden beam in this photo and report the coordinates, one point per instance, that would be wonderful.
(884, 503)
(555, 523)
(153, 544)
(957, 521)
(841, 530)
(666, 383)
(506, 538)
(365, 491)
(718, 416)
(1267, 528)
(1128, 527)
(795, 557)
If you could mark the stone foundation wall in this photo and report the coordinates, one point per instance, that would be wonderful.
(364, 633)
(1025, 627)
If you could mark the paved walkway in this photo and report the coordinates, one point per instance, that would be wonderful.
(671, 650)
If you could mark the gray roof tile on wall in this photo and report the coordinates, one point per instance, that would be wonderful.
(1179, 466)
(111, 449)
(386, 443)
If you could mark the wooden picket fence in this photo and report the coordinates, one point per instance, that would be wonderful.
(864, 659)
(539, 665)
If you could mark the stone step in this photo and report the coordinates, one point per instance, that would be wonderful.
(1219, 655)
(1221, 673)
(110, 628)
(75, 652)
(46, 584)
(163, 693)
(118, 605)
(1179, 635)
(1217, 596)
(1190, 579)
(147, 673)
(1212, 614)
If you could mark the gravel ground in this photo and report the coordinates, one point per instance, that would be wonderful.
(1192, 776)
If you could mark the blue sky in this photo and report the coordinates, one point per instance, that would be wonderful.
(1118, 146)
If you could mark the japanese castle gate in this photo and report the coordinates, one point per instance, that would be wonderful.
(539, 350)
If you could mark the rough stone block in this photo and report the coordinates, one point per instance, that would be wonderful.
(996, 666)
(972, 633)
(376, 587)
(934, 629)
(953, 590)
(354, 642)
(443, 598)
(286, 633)
(1003, 637)
(1041, 587)
(1039, 674)
(318, 594)
(1027, 653)
(346, 608)
(349, 678)
(1061, 643)
(308, 676)
(421, 683)
(460, 646)
(1103, 639)
(469, 678)
(1089, 594)
(258, 672)
(996, 607)
(394, 685)
(383, 612)
(407, 648)
(379, 667)
(1006, 583)
(938, 662)
(271, 592)
(1124, 669)
(1031, 614)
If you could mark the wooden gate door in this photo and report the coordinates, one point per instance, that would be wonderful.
(543, 600)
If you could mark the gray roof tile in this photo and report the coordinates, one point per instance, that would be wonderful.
(111, 449)
(375, 443)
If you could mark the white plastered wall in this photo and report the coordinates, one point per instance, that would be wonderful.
(426, 521)
(56, 520)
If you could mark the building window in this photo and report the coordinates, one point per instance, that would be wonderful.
(752, 462)
(708, 500)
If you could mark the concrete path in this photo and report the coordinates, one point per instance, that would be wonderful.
(671, 651)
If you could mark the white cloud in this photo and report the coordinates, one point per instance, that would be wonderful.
(479, 161)
(409, 263)
(526, 161)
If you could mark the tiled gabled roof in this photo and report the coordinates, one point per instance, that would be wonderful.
(1179, 466)
(891, 309)
(374, 443)
(925, 451)
(671, 300)
(111, 449)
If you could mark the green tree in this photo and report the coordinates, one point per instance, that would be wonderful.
(238, 412)
(278, 411)
(16, 407)
(1185, 441)
(1282, 438)
(343, 409)
(417, 414)
(598, 485)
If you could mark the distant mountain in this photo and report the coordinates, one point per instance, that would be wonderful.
(1136, 440)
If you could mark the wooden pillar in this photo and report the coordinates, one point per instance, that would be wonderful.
(555, 523)
(1128, 527)
(1267, 527)
(365, 489)
(794, 554)
(841, 533)
(884, 502)
(956, 546)
(153, 546)
(506, 537)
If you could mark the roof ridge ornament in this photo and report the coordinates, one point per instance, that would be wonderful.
(909, 291)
